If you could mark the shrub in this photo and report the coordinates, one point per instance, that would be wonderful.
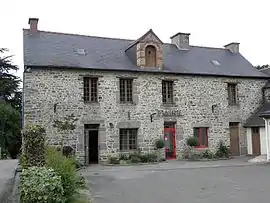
(33, 146)
(114, 160)
(68, 151)
(65, 168)
(40, 184)
(135, 159)
(207, 154)
(124, 156)
(223, 151)
(159, 144)
(192, 141)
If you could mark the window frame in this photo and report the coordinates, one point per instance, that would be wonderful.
(232, 94)
(124, 144)
(126, 90)
(90, 91)
(200, 134)
(167, 90)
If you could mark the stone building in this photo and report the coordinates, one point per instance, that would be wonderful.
(128, 93)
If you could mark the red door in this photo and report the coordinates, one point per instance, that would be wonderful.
(170, 143)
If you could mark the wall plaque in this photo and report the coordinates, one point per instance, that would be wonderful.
(169, 113)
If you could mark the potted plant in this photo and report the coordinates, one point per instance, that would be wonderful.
(192, 142)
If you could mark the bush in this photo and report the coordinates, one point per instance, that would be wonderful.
(114, 160)
(64, 167)
(207, 154)
(135, 159)
(124, 156)
(159, 144)
(223, 151)
(192, 141)
(40, 184)
(33, 148)
(68, 151)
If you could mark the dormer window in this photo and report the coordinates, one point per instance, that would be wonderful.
(150, 56)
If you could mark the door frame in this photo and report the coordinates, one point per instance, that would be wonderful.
(86, 144)
(171, 130)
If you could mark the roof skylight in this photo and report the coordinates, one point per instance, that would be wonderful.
(81, 52)
(215, 62)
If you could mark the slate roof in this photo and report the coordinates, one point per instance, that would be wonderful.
(255, 120)
(59, 50)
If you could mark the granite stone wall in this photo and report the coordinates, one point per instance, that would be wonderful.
(198, 102)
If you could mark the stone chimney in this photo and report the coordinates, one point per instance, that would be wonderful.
(181, 40)
(33, 22)
(233, 47)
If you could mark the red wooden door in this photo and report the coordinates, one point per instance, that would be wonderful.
(170, 143)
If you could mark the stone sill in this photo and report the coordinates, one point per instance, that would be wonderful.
(127, 104)
(169, 105)
(91, 103)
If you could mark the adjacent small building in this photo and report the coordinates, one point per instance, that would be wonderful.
(128, 93)
(256, 135)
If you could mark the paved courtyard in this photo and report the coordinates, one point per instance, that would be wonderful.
(181, 182)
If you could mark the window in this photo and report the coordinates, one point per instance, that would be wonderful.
(150, 56)
(90, 89)
(128, 139)
(202, 135)
(126, 90)
(232, 94)
(255, 130)
(167, 92)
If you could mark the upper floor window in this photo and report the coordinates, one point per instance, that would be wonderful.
(126, 90)
(202, 135)
(167, 91)
(150, 56)
(232, 94)
(90, 93)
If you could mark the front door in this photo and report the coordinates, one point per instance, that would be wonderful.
(170, 143)
(93, 146)
(256, 146)
(234, 139)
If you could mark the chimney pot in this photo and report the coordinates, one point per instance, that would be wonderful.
(233, 47)
(181, 40)
(33, 22)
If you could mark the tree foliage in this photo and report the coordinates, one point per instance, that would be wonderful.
(9, 83)
(10, 129)
(259, 67)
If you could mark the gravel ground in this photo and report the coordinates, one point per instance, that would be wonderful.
(235, 183)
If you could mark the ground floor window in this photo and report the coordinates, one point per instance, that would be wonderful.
(128, 139)
(202, 135)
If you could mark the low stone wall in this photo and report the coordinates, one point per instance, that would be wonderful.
(7, 179)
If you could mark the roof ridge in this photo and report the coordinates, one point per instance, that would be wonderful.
(80, 35)
(205, 47)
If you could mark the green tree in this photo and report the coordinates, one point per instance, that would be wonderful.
(10, 98)
(10, 130)
(259, 67)
(9, 83)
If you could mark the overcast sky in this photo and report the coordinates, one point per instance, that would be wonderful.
(210, 22)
